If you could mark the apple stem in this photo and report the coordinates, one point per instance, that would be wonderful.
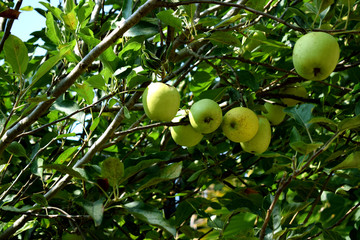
(316, 71)
(208, 119)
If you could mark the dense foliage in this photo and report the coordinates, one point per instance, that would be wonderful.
(80, 159)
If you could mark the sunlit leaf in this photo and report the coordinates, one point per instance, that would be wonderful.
(16, 54)
(168, 18)
(305, 148)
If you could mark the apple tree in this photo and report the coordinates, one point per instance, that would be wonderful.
(80, 159)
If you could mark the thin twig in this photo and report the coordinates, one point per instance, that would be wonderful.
(66, 117)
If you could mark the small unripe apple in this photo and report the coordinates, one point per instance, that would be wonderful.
(185, 135)
(298, 91)
(261, 141)
(161, 101)
(240, 124)
(275, 113)
(315, 55)
(254, 40)
(205, 116)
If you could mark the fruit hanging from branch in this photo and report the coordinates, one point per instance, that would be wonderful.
(262, 139)
(161, 101)
(205, 116)
(316, 55)
(240, 124)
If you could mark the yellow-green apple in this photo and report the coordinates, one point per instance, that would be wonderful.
(275, 113)
(298, 91)
(261, 141)
(240, 124)
(185, 135)
(205, 116)
(315, 55)
(161, 101)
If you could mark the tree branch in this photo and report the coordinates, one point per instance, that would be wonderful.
(66, 83)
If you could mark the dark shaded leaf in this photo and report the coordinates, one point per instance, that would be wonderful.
(150, 215)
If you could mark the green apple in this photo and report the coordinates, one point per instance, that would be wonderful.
(161, 101)
(298, 91)
(275, 113)
(261, 141)
(205, 116)
(240, 124)
(254, 40)
(185, 135)
(316, 55)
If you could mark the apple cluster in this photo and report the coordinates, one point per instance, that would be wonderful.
(240, 124)
(315, 57)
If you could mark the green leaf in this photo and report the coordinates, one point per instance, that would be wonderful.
(36, 167)
(27, 8)
(95, 210)
(17, 210)
(55, 11)
(214, 94)
(127, 8)
(52, 29)
(142, 28)
(66, 155)
(69, 6)
(228, 21)
(201, 82)
(149, 215)
(70, 20)
(113, 169)
(51, 62)
(168, 18)
(351, 161)
(97, 81)
(94, 124)
(331, 235)
(305, 148)
(84, 12)
(292, 208)
(39, 199)
(247, 78)
(168, 173)
(68, 107)
(85, 91)
(136, 80)
(141, 165)
(16, 54)
(225, 38)
(64, 169)
(349, 123)
(301, 113)
(66, 135)
(16, 149)
(323, 120)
